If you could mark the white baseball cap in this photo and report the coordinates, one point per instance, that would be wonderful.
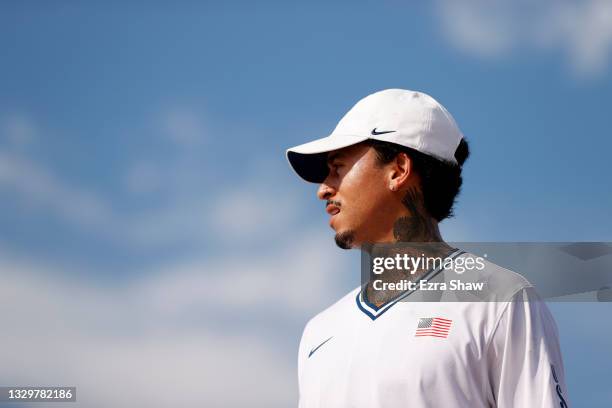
(408, 118)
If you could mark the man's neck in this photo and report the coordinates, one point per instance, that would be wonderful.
(417, 234)
(415, 224)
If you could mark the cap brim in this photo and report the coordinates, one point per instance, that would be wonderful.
(309, 160)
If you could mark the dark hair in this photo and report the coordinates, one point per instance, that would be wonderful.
(440, 181)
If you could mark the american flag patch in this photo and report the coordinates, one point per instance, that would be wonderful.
(433, 327)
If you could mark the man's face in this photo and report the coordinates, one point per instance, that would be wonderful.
(358, 197)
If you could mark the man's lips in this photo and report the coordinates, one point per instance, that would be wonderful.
(332, 209)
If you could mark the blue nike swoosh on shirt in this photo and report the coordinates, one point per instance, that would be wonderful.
(318, 347)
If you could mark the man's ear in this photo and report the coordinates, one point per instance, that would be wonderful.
(401, 169)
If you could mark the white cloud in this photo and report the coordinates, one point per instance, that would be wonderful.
(135, 345)
(152, 342)
(256, 211)
(582, 30)
(478, 27)
(250, 212)
(229, 213)
(169, 338)
(298, 276)
(177, 208)
(39, 188)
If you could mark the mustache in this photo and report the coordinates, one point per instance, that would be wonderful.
(333, 202)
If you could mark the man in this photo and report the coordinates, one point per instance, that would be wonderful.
(389, 173)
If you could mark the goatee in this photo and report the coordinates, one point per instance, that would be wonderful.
(345, 239)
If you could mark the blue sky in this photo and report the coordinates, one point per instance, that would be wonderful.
(146, 197)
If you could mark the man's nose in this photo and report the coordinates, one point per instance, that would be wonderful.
(325, 191)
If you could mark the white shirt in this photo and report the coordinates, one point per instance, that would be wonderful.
(503, 353)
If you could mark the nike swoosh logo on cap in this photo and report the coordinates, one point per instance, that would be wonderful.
(375, 133)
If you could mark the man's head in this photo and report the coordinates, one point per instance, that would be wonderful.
(382, 192)
(390, 171)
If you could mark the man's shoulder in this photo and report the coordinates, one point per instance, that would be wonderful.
(499, 284)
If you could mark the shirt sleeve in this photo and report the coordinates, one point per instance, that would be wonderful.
(525, 365)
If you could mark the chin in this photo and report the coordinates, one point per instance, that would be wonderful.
(345, 239)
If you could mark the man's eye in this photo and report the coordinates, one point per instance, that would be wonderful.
(334, 167)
